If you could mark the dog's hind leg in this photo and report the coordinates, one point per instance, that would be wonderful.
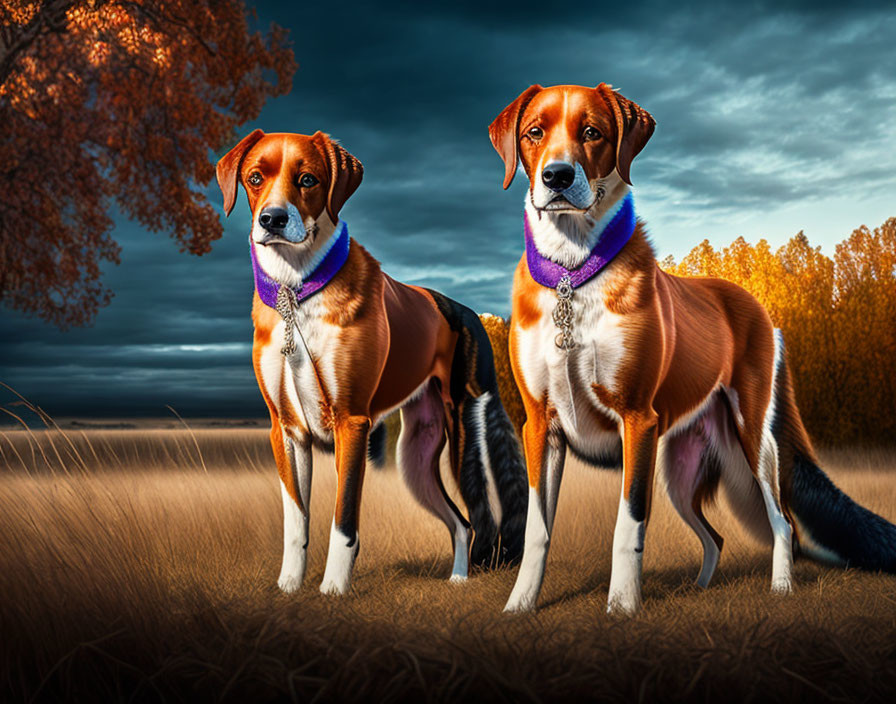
(476, 482)
(755, 428)
(782, 551)
(420, 444)
(691, 473)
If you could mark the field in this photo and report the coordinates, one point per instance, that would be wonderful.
(140, 565)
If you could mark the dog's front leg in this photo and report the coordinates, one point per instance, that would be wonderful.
(296, 491)
(351, 454)
(638, 459)
(545, 448)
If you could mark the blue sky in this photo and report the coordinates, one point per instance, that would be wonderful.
(771, 118)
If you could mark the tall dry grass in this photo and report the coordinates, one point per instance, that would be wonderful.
(139, 575)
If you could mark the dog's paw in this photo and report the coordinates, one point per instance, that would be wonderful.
(519, 606)
(331, 587)
(289, 584)
(623, 604)
(782, 586)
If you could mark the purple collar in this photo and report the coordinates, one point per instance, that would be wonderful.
(322, 275)
(614, 237)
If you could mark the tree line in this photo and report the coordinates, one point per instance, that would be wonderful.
(837, 314)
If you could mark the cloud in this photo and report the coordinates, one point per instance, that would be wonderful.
(767, 113)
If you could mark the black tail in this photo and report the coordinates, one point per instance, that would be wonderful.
(488, 446)
(509, 471)
(834, 528)
(830, 526)
(376, 446)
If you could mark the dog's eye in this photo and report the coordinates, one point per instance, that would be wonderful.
(255, 178)
(590, 134)
(307, 181)
(535, 133)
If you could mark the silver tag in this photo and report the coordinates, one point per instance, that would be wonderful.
(563, 314)
(286, 300)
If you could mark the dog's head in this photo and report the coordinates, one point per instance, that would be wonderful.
(296, 184)
(570, 139)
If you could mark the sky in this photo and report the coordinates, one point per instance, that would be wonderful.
(772, 117)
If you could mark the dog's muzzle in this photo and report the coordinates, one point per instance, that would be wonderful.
(276, 224)
(562, 187)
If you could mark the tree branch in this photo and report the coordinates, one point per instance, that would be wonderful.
(49, 18)
(160, 18)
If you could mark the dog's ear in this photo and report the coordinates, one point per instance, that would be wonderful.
(228, 168)
(504, 132)
(346, 173)
(634, 125)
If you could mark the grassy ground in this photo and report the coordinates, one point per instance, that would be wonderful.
(135, 568)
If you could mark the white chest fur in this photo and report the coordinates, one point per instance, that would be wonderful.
(566, 376)
(299, 378)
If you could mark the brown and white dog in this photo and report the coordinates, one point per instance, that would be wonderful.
(646, 365)
(331, 365)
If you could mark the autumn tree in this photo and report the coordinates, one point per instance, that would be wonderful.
(498, 331)
(838, 316)
(865, 335)
(118, 102)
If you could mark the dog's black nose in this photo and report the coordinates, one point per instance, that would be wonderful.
(558, 176)
(273, 218)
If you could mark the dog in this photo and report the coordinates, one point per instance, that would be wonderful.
(626, 365)
(338, 345)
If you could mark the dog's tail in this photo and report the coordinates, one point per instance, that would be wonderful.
(376, 446)
(488, 452)
(830, 527)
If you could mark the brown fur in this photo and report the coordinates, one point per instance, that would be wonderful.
(684, 335)
(391, 338)
(683, 338)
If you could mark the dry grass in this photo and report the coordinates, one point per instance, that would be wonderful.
(135, 574)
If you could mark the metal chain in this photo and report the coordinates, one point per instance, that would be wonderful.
(563, 315)
(286, 303)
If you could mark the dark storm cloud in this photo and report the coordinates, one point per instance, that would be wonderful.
(759, 105)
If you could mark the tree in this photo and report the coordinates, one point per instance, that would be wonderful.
(116, 101)
(839, 322)
(498, 331)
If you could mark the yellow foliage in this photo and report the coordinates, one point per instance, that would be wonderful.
(838, 317)
(498, 330)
